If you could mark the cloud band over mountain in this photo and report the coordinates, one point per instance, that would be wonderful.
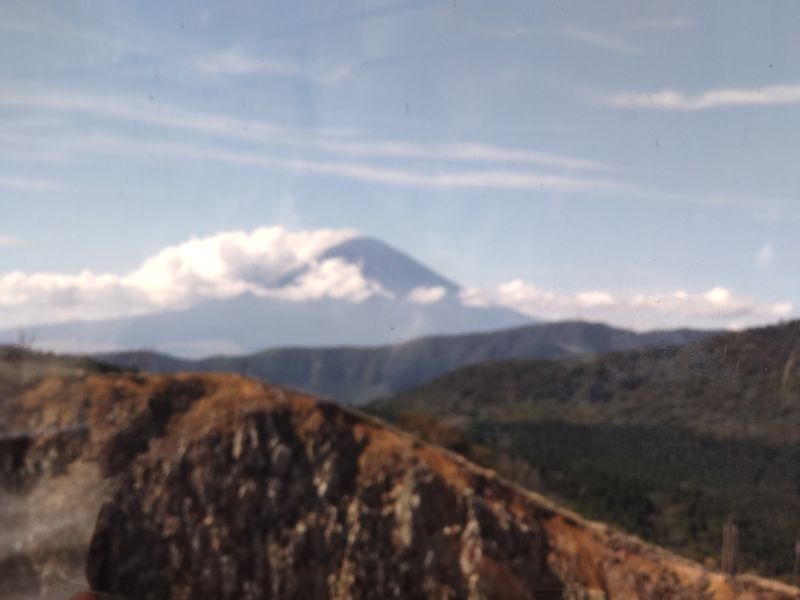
(292, 266)
(224, 265)
(716, 307)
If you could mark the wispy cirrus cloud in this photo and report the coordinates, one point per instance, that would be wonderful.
(710, 99)
(44, 23)
(427, 177)
(618, 40)
(454, 165)
(234, 62)
(31, 185)
(662, 23)
(139, 110)
(599, 39)
(437, 165)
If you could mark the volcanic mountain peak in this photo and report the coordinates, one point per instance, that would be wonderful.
(396, 272)
(346, 290)
(229, 488)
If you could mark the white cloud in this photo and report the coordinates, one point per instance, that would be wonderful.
(599, 40)
(331, 278)
(234, 62)
(269, 262)
(590, 299)
(231, 263)
(9, 240)
(716, 303)
(44, 297)
(715, 308)
(782, 310)
(475, 297)
(531, 300)
(717, 98)
(765, 256)
(427, 295)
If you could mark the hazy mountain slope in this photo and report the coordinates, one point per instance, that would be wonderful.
(667, 442)
(222, 487)
(362, 374)
(248, 323)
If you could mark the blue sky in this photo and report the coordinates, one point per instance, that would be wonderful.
(633, 149)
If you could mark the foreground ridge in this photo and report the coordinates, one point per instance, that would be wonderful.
(216, 486)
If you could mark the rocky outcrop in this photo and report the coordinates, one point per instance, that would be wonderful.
(294, 499)
(223, 487)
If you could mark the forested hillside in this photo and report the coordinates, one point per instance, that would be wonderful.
(666, 442)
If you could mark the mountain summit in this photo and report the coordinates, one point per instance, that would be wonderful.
(396, 272)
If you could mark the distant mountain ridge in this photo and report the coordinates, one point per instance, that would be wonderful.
(359, 374)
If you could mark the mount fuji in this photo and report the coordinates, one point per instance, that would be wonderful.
(387, 297)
